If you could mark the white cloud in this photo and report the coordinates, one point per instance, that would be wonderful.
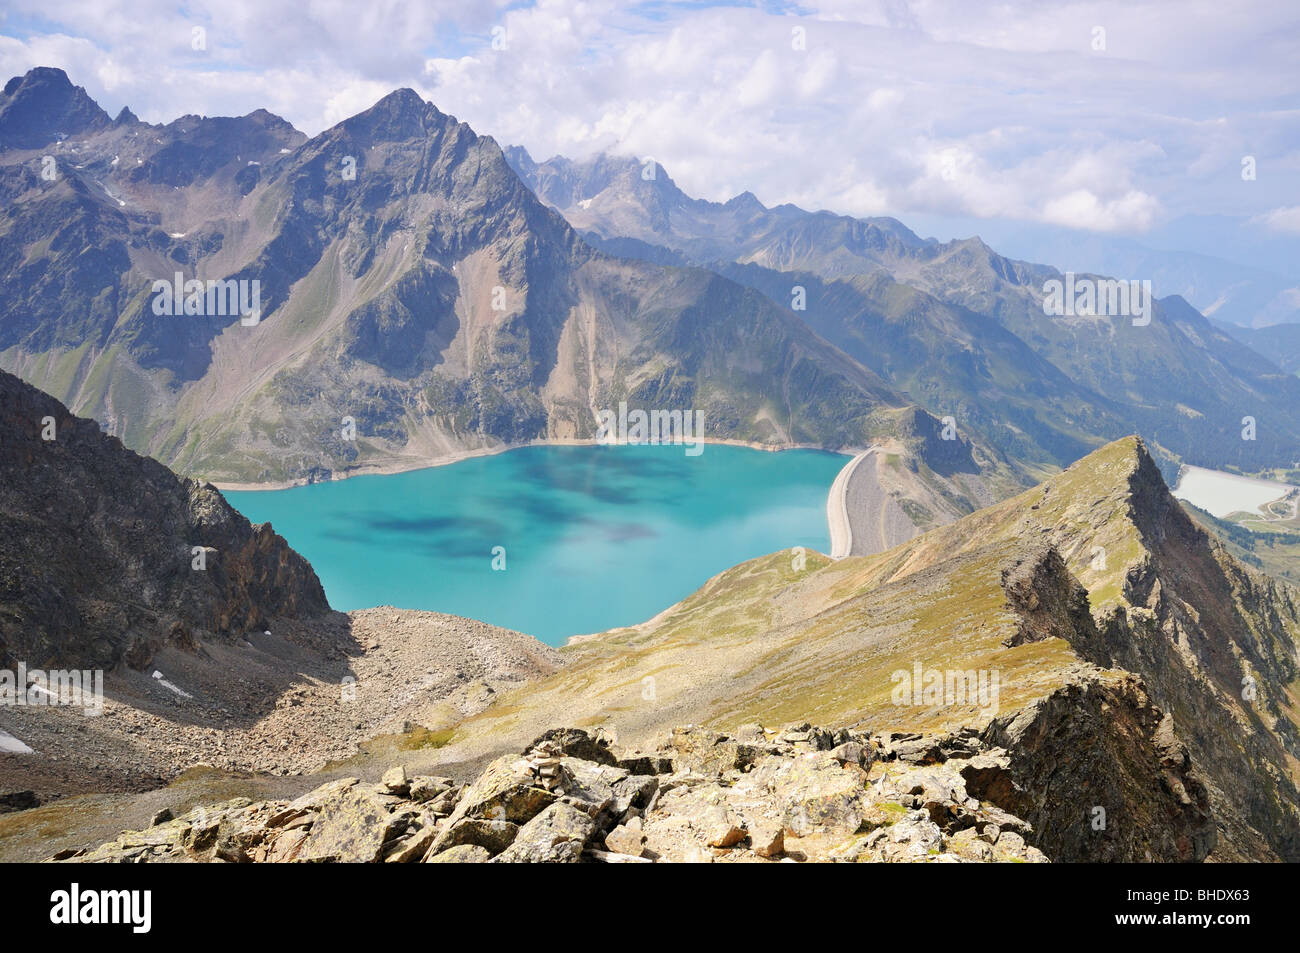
(1285, 219)
(1130, 212)
(931, 107)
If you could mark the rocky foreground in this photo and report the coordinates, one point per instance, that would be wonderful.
(803, 794)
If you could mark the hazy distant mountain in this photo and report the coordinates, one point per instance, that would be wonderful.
(1280, 343)
(954, 324)
(409, 283)
(619, 197)
(1258, 293)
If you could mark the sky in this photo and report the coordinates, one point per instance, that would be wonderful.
(1126, 119)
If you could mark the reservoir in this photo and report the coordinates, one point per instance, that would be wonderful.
(553, 541)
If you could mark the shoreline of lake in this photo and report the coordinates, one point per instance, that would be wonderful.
(462, 455)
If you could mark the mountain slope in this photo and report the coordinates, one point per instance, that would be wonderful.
(429, 300)
(1279, 343)
(1059, 385)
(951, 360)
(212, 638)
(105, 556)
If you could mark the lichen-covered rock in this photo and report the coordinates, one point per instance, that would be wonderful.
(816, 792)
(351, 827)
(707, 752)
(462, 854)
(505, 791)
(557, 835)
(493, 835)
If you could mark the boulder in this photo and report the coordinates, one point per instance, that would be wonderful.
(633, 791)
(805, 735)
(445, 803)
(352, 826)
(461, 854)
(493, 836)
(414, 845)
(914, 838)
(505, 791)
(916, 751)
(766, 837)
(603, 789)
(647, 764)
(722, 829)
(707, 752)
(423, 788)
(573, 743)
(395, 781)
(817, 793)
(850, 752)
(628, 838)
(557, 835)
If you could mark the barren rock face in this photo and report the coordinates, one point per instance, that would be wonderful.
(1098, 771)
(105, 555)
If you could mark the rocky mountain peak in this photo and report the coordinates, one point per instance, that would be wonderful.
(564, 182)
(1124, 474)
(400, 115)
(43, 106)
(746, 201)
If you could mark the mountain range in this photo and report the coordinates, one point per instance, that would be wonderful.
(954, 324)
(430, 300)
(422, 296)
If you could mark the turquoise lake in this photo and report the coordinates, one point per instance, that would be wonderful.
(594, 536)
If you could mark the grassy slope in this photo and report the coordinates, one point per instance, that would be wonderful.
(765, 641)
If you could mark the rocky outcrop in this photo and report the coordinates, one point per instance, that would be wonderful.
(1100, 774)
(1048, 601)
(800, 794)
(1217, 647)
(105, 556)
